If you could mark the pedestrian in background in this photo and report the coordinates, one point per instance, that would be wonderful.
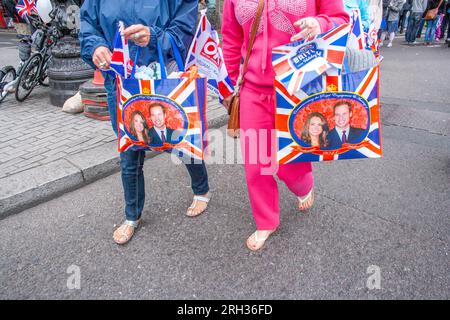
(441, 17)
(447, 9)
(445, 22)
(392, 16)
(418, 7)
(431, 17)
(405, 13)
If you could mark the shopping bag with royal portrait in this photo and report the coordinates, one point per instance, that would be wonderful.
(164, 114)
(324, 112)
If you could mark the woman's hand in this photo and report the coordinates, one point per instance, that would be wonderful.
(138, 33)
(227, 102)
(310, 28)
(102, 58)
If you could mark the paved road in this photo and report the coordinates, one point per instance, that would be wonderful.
(8, 47)
(391, 213)
(37, 133)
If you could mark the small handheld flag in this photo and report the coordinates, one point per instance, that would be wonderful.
(121, 64)
(357, 39)
(206, 54)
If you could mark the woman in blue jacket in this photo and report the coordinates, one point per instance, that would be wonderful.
(147, 21)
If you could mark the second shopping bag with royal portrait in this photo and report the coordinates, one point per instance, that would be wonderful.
(324, 113)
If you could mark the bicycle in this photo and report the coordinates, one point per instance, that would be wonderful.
(35, 69)
(7, 76)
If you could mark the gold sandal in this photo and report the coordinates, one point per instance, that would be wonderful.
(303, 200)
(190, 211)
(259, 241)
(124, 236)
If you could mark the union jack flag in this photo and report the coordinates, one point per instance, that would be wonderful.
(297, 64)
(189, 93)
(357, 38)
(121, 63)
(363, 86)
(372, 41)
(205, 52)
(26, 8)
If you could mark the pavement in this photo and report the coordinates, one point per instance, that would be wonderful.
(387, 218)
(8, 47)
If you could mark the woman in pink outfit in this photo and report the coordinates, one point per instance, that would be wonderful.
(282, 21)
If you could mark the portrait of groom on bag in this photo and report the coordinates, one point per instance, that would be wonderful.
(160, 134)
(343, 132)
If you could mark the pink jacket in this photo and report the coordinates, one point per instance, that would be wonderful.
(276, 29)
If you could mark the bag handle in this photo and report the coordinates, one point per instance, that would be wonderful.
(254, 30)
(133, 70)
(176, 54)
(161, 60)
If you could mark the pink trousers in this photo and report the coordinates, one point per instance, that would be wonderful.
(258, 142)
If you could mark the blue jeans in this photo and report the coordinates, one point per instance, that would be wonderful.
(448, 31)
(132, 162)
(430, 33)
(413, 26)
(404, 20)
(421, 25)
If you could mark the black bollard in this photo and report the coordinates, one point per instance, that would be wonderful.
(67, 71)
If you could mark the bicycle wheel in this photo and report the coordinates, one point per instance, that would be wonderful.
(28, 78)
(7, 74)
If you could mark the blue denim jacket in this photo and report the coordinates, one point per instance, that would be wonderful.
(99, 20)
